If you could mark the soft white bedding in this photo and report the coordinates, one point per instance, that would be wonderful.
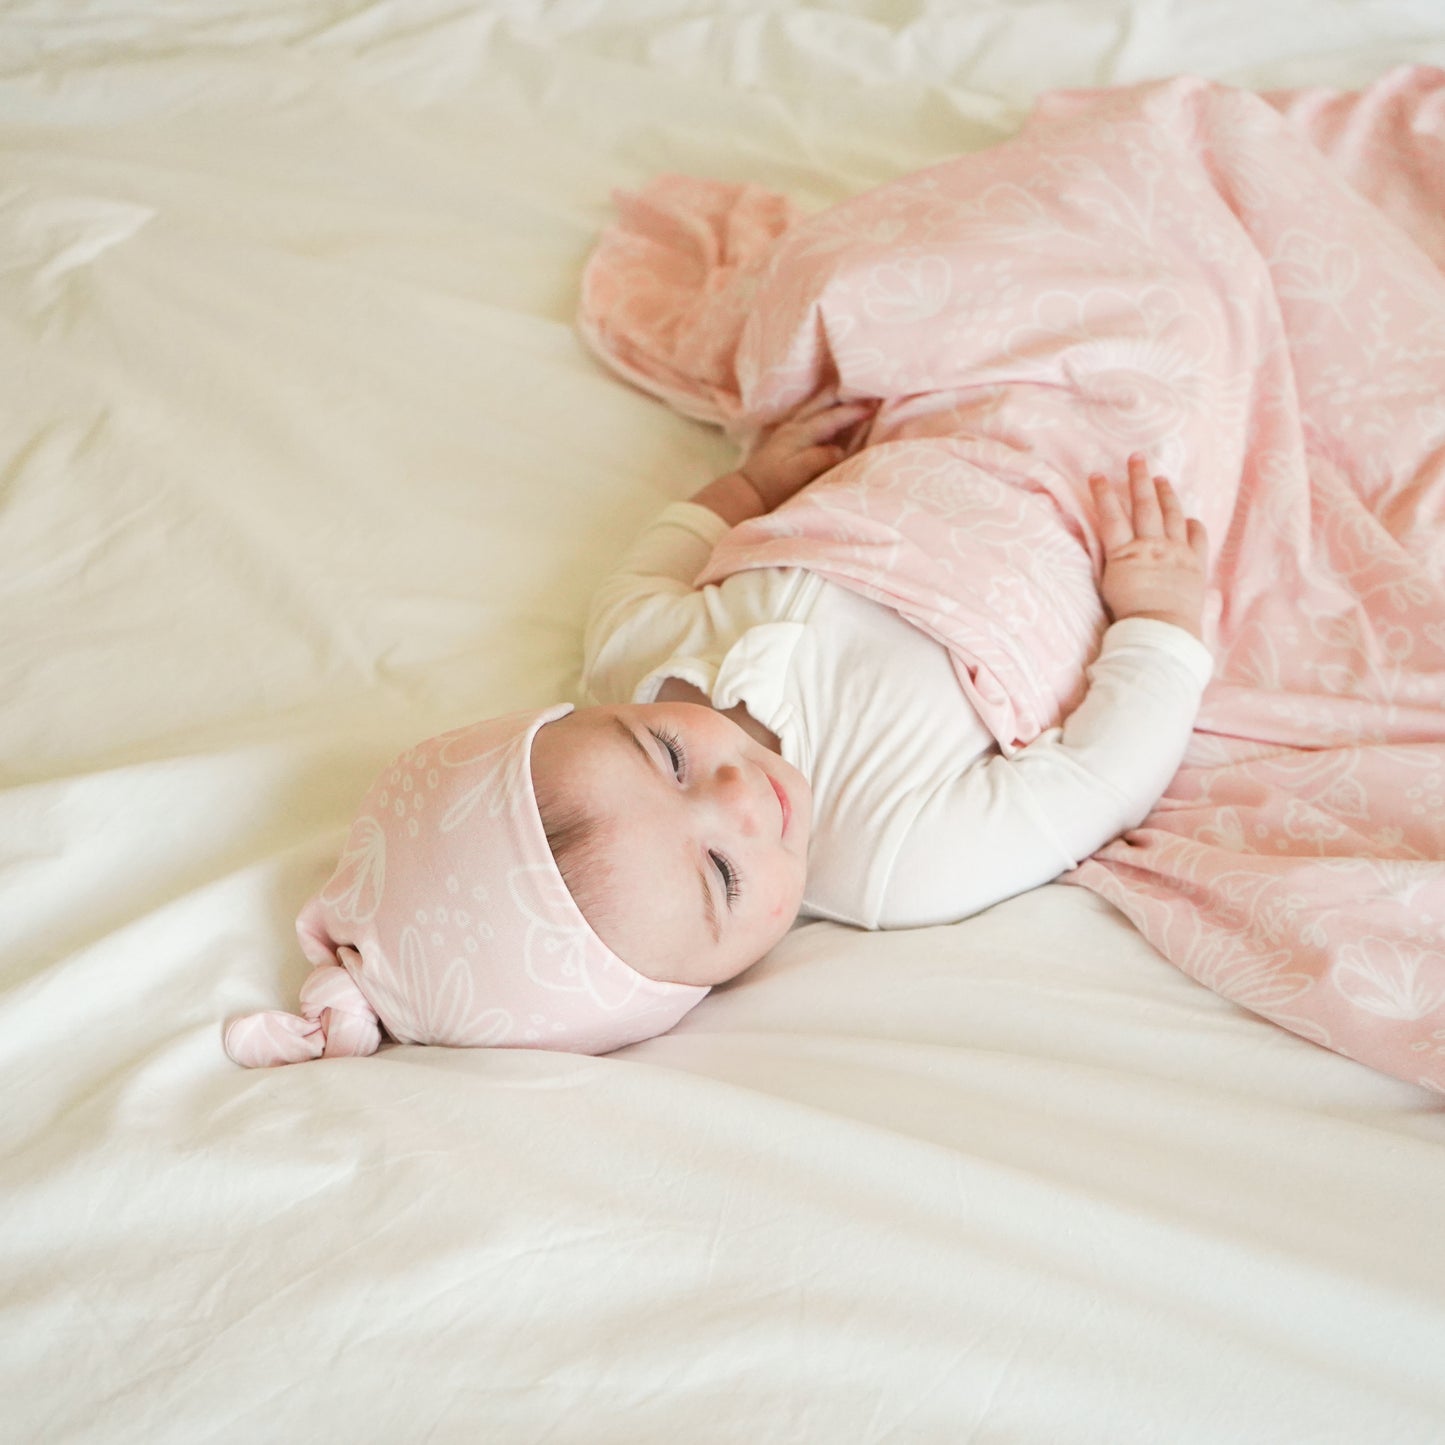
(301, 460)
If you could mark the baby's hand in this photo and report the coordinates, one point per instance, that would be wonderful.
(800, 451)
(1155, 559)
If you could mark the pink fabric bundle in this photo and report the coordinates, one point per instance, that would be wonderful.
(1248, 289)
(447, 922)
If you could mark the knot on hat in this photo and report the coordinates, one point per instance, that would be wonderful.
(335, 1021)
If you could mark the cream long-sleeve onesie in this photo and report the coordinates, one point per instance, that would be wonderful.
(917, 816)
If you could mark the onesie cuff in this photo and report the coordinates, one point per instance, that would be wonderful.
(702, 522)
(1165, 637)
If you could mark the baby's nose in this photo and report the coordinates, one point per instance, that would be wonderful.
(737, 798)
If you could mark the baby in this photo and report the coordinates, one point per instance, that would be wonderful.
(771, 746)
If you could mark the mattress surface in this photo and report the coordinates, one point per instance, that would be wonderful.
(301, 460)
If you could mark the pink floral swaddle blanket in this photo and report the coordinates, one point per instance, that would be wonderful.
(1250, 290)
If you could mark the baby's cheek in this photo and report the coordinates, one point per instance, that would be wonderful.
(786, 905)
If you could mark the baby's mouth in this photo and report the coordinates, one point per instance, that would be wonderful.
(783, 803)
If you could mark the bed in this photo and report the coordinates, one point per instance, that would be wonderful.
(277, 282)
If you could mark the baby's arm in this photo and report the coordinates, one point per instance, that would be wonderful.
(1005, 825)
(647, 610)
(796, 453)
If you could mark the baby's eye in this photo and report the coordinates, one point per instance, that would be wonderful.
(731, 885)
(675, 750)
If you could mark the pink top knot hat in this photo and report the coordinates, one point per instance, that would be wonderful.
(447, 922)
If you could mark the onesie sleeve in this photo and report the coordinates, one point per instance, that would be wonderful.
(648, 609)
(1004, 825)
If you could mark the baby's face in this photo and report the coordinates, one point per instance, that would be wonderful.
(702, 834)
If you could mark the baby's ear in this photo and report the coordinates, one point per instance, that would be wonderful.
(335, 1021)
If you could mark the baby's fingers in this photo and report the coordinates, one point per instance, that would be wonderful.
(802, 467)
(821, 458)
(1171, 510)
(827, 423)
(1145, 495)
(1115, 528)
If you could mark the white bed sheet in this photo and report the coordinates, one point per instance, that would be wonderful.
(300, 460)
